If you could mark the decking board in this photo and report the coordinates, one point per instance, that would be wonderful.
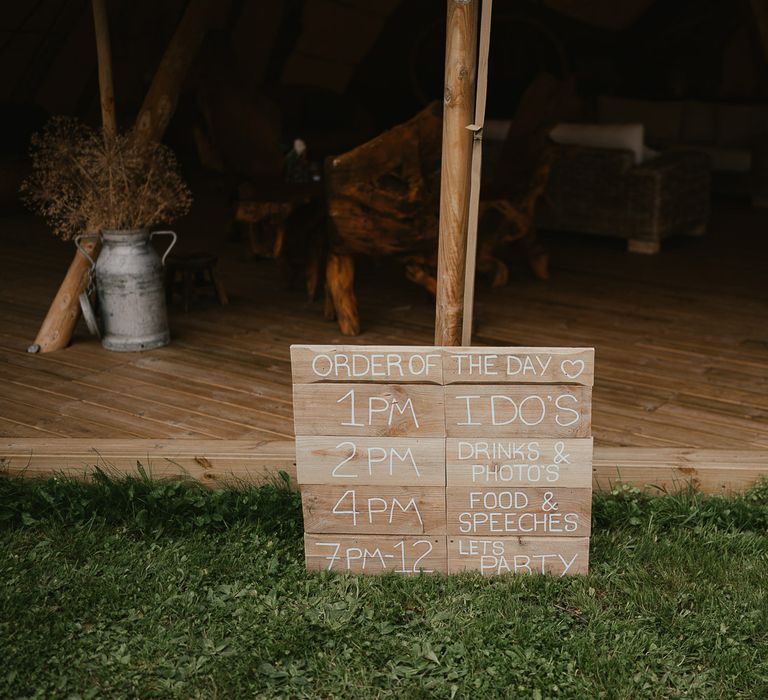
(681, 342)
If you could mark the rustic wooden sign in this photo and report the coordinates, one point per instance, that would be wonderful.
(360, 363)
(519, 555)
(519, 462)
(517, 511)
(518, 365)
(376, 554)
(435, 460)
(381, 410)
(401, 510)
(371, 461)
(555, 410)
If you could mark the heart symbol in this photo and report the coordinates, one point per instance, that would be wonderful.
(572, 368)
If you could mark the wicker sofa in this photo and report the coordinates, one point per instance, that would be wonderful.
(734, 135)
(601, 191)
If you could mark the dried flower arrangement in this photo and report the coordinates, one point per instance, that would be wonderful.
(82, 182)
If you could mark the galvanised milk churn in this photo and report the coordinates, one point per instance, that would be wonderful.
(129, 283)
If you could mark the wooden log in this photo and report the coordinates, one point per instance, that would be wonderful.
(104, 60)
(59, 323)
(340, 281)
(458, 112)
(160, 102)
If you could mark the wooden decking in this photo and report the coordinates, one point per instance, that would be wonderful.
(681, 341)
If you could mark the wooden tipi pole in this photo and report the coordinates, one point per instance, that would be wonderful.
(160, 102)
(153, 119)
(59, 323)
(104, 61)
(477, 162)
(458, 112)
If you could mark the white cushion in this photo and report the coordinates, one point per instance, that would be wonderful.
(624, 137)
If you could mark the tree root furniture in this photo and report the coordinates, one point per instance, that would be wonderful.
(383, 199)
(602, 191)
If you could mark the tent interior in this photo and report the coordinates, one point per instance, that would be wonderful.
(647, 239)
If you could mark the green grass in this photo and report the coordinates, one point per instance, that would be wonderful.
(134, 588)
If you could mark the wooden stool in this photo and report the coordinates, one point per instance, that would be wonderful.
(191, 273)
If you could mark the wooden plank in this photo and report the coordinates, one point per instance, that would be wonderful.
(389, 510)
(525, 512)
(371, 461)
(558, 556)
(519, 366)
(375, 554)
(544, 461)
(22, 429)
(710, 471)
(673, 469)
(359, 410)
(357, 363)
(517, 411)
(214, 463)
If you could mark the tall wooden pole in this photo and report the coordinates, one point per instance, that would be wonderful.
(458, 113)
(59, 323)
(104, 62)
(160, 102)
(476, 170)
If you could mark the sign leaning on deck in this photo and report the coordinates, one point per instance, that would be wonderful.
(444, 459)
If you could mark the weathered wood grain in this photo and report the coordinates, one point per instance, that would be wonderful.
(519, 365)
(510, 463)
(524, 512)
(383, 510)
(517, 411)
(650, 364)
(386, 410)
(558, 556)
(213, 463)
(458, 111)
(252, 461)
(371, 461)
(376, 554)
(360, 363)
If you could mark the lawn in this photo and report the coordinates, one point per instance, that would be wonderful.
(133, 588)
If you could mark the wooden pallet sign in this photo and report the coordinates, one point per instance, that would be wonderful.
(442, 460)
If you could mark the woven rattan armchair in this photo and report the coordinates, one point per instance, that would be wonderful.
(602, 191)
